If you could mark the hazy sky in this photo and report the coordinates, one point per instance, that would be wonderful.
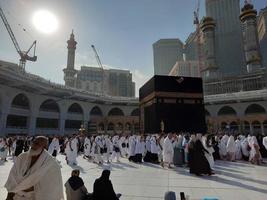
(123, 32)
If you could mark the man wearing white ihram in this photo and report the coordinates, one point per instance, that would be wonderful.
(32, 174)
(54, 147)
(168, 151)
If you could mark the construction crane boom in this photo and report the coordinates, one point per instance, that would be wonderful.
(198, 35)
(102, 68)
(23, 55)
(97, 57)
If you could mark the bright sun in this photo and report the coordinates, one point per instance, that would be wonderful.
(45, 22)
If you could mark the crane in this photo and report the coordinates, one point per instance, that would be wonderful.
(24, 55)
(198, 34)
(101, 66)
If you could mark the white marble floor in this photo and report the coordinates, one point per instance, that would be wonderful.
(233, 180)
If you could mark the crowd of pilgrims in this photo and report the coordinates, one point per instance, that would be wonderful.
(195, 151)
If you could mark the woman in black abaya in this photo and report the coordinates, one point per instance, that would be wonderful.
(201, 164)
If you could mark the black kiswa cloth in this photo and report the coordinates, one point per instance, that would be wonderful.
(75, 182)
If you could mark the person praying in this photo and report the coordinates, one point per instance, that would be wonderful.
(75, 188)
(103, 189)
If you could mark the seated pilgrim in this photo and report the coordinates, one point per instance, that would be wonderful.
(75, 188)
(103, 189)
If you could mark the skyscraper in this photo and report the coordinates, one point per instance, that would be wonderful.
(228, 35)
(166, 53)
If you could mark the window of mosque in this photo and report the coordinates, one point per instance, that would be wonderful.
(75, 108)
(73, 124)
(115, 112)
(49, 106)
(21, 101)
(226, 110)
(255, 109)
(16, 121)
(96, 111)
(135, 112)
(47, 123)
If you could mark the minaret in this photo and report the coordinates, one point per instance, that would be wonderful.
(208, 29)
(70, 72)
(248, 18)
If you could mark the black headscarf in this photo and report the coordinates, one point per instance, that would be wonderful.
(75, 182)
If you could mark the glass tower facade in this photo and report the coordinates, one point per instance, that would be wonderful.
(229, 49)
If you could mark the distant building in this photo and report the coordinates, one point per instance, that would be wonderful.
(113, 82)
(262, 31)
(185, 68)
(166, 53)
(228, 35)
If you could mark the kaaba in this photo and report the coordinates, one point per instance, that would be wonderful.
(172, 104)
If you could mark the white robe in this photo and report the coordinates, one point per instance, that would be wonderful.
(131, 146)
(3, 150)
(264, 142)
(154, 146)
(54, 146)
(238, 153)
(71, 152)
(231, 148)
(44, 176)
(209, 156)
(139, 147)
(222, 145)
(87, 146)
(244, 147)
(168, 151)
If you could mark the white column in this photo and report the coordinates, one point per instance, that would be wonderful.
(32, 124)
(250, 128)
(3, 119)
(62, 126)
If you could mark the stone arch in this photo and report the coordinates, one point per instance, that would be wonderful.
(255, 109)
(21, 101)
(96, 112)
(75, 108)
(226, 110)
(115, 112)
(50, 105)
(135, 112)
